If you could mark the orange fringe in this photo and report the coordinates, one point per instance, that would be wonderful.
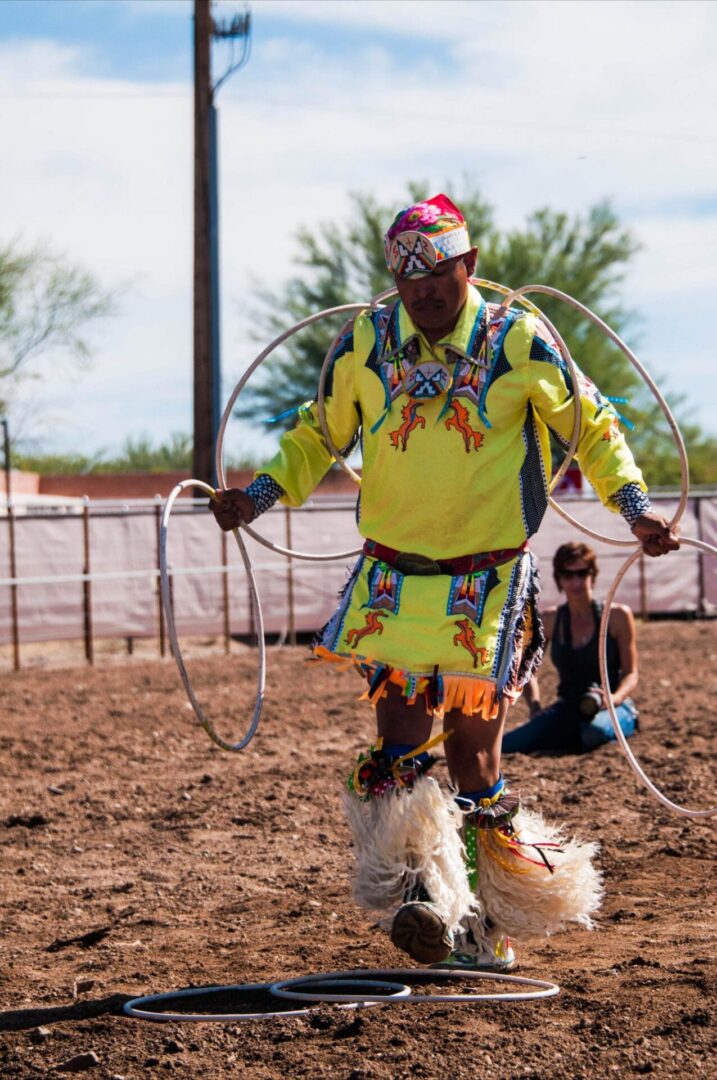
(321, 653)
(473, 696)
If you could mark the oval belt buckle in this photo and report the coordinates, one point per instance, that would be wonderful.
(427, 380)
(408, 562)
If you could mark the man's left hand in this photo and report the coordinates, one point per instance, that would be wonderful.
(655, 534)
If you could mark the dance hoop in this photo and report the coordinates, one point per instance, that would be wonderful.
(400, 992)
(172, 630)
(510, 296)
(308, 989)
(547, 290)
(292, 988)
(135, 1007)
(602, 653)
(483, 283)
(342, 309)
(348, 309)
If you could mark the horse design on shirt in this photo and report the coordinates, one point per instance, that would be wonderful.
(467, 638)
(411, 420)
(459, 421)
(373, 626)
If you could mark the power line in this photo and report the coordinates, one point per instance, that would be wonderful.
(292, 105)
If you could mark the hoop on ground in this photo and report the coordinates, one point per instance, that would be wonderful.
(399, 990)
(481, 283)
(291, 988)
(547, 290)
(172, 630)
(135, 1006)
(602, 653)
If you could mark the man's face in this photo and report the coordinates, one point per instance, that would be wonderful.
(434, 301)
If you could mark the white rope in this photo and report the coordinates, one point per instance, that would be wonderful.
(292, 988)
(151, 573)
(619, 734)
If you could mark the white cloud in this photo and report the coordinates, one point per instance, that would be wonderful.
(541, 103)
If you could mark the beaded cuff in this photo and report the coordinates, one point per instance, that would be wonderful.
(264, 491)
(632, 502)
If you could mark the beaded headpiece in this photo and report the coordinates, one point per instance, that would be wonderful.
(425, 234)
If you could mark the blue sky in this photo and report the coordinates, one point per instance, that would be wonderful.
(542, 103)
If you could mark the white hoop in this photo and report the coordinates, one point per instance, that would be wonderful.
(547, 989)
(134, 1007)
(682, 454)
(342, 309)
(401, 992)
(602, 651)
(288, 552)
(172, 630)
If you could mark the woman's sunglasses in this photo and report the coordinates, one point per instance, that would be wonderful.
(585, 572)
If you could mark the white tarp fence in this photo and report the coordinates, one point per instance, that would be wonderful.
(122, 598)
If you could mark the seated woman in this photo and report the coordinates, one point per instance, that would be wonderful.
(579, 720)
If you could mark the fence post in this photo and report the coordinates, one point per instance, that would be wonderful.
(290, 579)
(160, 613)
(87, 584)
(644, 613)
(225, 594)
(11, 547)
(13, 587)
(702, 603)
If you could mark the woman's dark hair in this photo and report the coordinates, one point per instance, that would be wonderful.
(568, 553)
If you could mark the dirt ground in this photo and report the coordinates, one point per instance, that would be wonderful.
(138, 858)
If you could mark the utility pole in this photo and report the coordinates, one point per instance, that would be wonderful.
(205, 347)
(207, 361)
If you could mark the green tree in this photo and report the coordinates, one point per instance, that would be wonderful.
(47, 305)
(138, 454)
(585, 256)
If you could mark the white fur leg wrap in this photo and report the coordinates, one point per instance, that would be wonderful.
(406, 836)
(526, 900)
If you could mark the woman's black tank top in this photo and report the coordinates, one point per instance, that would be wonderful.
(580, 668)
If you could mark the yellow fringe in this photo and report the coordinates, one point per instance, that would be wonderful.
(473, 696)
(512, 865)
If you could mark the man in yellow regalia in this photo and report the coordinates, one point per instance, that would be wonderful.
(454, 400)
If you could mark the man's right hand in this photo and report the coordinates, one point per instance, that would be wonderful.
(232, 508)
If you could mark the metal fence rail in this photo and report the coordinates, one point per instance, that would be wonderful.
(91, 570)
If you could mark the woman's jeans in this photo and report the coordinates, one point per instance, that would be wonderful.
(561, 727)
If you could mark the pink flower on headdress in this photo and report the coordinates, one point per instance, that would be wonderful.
(424, 213)
(429, 216)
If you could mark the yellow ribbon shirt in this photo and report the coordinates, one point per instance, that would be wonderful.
(465, 471)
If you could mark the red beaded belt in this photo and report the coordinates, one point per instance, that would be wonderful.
(408, 562)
